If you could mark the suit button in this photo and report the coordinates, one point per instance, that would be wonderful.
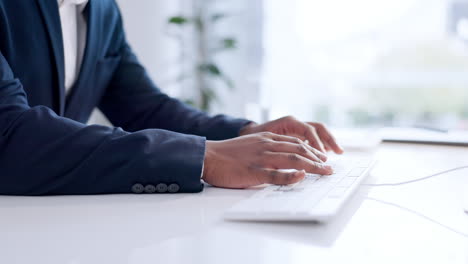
(173, 188)
(161, 188)
(138, 188)
(150, 188)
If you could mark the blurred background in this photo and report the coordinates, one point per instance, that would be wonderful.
(361, 63)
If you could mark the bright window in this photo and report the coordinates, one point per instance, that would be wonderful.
(367, 62)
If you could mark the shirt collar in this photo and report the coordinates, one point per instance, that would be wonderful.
(80, 3)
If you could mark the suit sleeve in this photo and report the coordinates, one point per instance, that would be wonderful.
(133, 102)
(44, 154)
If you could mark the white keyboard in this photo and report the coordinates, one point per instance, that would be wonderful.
(316, 198)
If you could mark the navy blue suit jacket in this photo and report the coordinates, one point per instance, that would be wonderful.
(45, 146)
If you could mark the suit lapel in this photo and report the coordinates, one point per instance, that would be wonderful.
(51, 16)
(94, 24)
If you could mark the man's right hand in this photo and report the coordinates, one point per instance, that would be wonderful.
(258, 158)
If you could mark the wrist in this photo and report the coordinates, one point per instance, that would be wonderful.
(248, 129)
(208, 161)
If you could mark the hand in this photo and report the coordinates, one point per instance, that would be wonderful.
(316, 134)
(256, 159)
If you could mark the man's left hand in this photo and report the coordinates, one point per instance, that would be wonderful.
(316, 134)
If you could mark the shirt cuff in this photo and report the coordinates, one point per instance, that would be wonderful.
(202, 169)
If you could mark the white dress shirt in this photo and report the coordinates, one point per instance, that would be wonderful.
(74, 30)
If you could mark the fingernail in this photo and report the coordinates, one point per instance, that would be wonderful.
(324, 157)
(301, 172)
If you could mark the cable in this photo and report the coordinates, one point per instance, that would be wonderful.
(418, 179)
(413, 211)
(420, 215)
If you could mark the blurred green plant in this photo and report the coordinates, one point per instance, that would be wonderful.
(203, 67)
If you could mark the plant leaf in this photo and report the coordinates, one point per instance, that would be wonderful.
(218, 16)
(213, 70)
(210, 68)
(229, 83)
(178, 20)
(190, 102)
(208, 96)
(229, 43)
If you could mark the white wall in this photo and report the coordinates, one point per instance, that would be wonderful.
(146, 26)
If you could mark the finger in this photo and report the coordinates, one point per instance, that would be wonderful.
(304, 131)
(298, 141)
(327, 137)
(311, 135)
(327, 148)
(322, 155)
(302, 149)
(273, 176)
(281, 160)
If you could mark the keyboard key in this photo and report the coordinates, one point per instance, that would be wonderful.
(339, 175)
(314, 198)
(356, 172)
(346, 182)
(327, 179)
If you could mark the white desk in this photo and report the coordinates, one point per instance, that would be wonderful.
(187, 228)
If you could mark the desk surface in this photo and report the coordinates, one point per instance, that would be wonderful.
(417, 223)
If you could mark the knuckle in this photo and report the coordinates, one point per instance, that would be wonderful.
(294, 157)
(273, 176)
(254, 167)
(315, 151)
(266, 134)
(269, 145)
(266, 141)
(290, 118)
(320, 125)
(268, 148)
(321, 154)
(302, 148)
(315, 166)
